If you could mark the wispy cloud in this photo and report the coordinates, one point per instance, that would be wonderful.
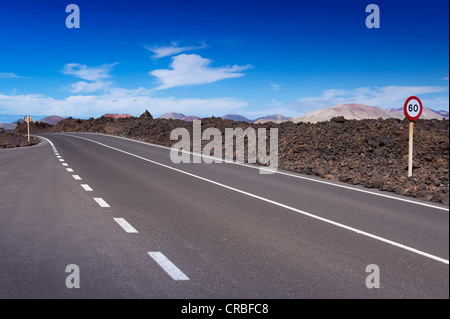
(173, 49)
(89, 73)
(445, 79)
(88, 87)
(94, 74)
(384, 97)
(192, 69)
(9, 75)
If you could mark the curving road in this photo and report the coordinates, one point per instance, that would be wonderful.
(139, 226)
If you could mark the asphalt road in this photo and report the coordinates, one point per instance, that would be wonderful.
(139, 226)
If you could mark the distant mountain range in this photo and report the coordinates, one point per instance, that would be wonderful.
(8, 126)
(277, 118)
(234, 117)
(348, 111)
(52, 120)
(442, 113)
(354, 111)
(179, 116)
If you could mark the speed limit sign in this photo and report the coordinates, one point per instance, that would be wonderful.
(413, 108)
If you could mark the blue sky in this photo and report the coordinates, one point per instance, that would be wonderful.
(215, 57)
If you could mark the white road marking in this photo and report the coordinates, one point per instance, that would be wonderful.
(355, 230)
(61, 160)
(87, 188)
(76, 177)
(125, 225)
(168, 266)
(58, 156)
(101, 202)
(282, 173)
(65, 164)
(69, 170)
(50, 142)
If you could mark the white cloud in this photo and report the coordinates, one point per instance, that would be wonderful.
(89, 73)
(164, 51)
(109, 99)
(93, 74)
(192, 69)
(384, 97)
(9, 75)
(88, 87)
(445, 79)
(133, 102)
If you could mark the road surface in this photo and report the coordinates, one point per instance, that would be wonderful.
(139, 226)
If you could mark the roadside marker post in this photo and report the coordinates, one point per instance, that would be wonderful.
(413, 109)
(28, 119)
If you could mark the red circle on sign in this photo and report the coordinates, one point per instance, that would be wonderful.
(405, 108)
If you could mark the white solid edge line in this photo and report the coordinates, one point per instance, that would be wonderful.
(51, 143)
(76, 177)
(168, 266)
(279, 172)
(360, 232)
(87, 188)
(101, 202)
(125, 225)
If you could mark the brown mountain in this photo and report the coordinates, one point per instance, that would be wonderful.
(52, 120)
(117, 116)
(427, 114)
(354, 111)
(191, 118)
(173, 116)
(276, 118)
(235, 117)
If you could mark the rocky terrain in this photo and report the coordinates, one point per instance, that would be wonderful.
(11, 140)
(372, 152)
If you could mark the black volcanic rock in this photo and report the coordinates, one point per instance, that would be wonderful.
(12, 140)
(146, 115)
(371, 153)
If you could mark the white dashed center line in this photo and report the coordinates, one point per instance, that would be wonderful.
(125, 225)
(101, 202)
(168, 266)
(172, 270)
(87, 188)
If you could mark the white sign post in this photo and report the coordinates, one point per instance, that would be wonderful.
(27, 120)
(413, 109)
